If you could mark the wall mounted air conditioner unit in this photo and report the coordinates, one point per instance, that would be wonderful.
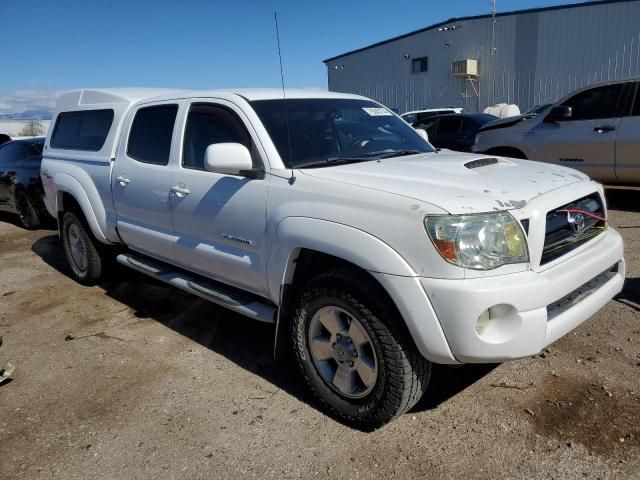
(465, 68)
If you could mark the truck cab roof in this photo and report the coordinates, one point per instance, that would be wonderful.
(94, 97)
(121, 100)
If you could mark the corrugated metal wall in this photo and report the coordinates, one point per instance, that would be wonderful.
(539, 57)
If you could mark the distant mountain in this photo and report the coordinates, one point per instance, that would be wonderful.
(27, 115)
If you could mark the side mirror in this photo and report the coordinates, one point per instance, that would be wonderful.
(423, 133)
(231, 159)
(558, 114)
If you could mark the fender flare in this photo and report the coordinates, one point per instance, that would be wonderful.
(65, 183)
(385, 264)
(521, 154)
(296, 233)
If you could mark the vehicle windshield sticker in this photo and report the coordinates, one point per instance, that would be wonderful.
(377, 111)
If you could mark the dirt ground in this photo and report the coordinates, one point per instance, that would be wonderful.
(134, 379)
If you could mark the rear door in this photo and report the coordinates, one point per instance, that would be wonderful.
(141, 180)
(586, 142)
(448, 132)
(467, 136)
(31, 171)
(628, 141)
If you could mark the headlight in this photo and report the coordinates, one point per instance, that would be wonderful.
(479, 242)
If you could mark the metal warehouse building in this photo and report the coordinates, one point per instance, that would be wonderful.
(525, 57)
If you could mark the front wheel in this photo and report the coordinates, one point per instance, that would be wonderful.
(354, 351)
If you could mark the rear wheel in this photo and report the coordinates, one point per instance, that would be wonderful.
(26, 212)
(354, 351)
(81, 250)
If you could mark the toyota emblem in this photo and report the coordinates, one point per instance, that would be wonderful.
(578, 223)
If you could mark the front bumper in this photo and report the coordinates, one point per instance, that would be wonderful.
(531, 309)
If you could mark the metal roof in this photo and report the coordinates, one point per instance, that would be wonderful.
(460, 19)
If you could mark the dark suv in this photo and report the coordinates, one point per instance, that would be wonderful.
(20, 185)
(455, 131)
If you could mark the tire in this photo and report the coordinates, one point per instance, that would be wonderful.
(27, 214)
(81, 249)
(388, 374)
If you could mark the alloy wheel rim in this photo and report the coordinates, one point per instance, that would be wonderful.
(342, 352)
(77, 248)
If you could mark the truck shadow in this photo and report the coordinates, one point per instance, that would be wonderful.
(625, 199)
(245, 342)
(630, 294)
(12, 218)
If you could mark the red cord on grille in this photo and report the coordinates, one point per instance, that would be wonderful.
(585, 213)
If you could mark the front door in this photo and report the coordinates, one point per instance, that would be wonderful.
(585, 142)
(141, 181)
(628, 145)
(219, 219)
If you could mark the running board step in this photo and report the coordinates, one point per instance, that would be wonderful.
(232, 298)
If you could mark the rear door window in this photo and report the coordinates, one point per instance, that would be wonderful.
(469, 126)
(35, 150)
(82, 130)
(151, 134)
(411, 118)
(429, 125)
(449, 125)
(12, 153)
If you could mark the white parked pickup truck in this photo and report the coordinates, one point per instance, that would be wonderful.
(328, 215)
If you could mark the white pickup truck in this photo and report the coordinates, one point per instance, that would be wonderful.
(328, 215)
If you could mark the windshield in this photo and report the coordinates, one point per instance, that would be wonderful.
(326, 131)
(538, 109)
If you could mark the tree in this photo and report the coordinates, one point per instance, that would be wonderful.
(32, 129)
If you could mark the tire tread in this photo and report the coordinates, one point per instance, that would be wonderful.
(408, 372)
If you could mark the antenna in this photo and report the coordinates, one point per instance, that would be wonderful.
(284, 98)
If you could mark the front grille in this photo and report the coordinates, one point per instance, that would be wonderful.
(565, 303)
(562, 236)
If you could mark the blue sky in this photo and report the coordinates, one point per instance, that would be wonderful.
(57, 45)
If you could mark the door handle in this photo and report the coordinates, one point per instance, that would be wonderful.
(180, 192)
(604, 129)
(123, 180)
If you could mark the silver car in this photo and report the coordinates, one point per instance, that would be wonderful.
(595, 130)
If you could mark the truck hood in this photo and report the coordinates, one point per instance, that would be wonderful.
(455, 182)
(504, 122)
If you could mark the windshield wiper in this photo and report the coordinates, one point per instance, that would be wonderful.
(399, 153)
(329, 162)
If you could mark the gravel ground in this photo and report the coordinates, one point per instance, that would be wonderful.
(133, 379)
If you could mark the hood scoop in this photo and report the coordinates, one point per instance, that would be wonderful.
(481, 162)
